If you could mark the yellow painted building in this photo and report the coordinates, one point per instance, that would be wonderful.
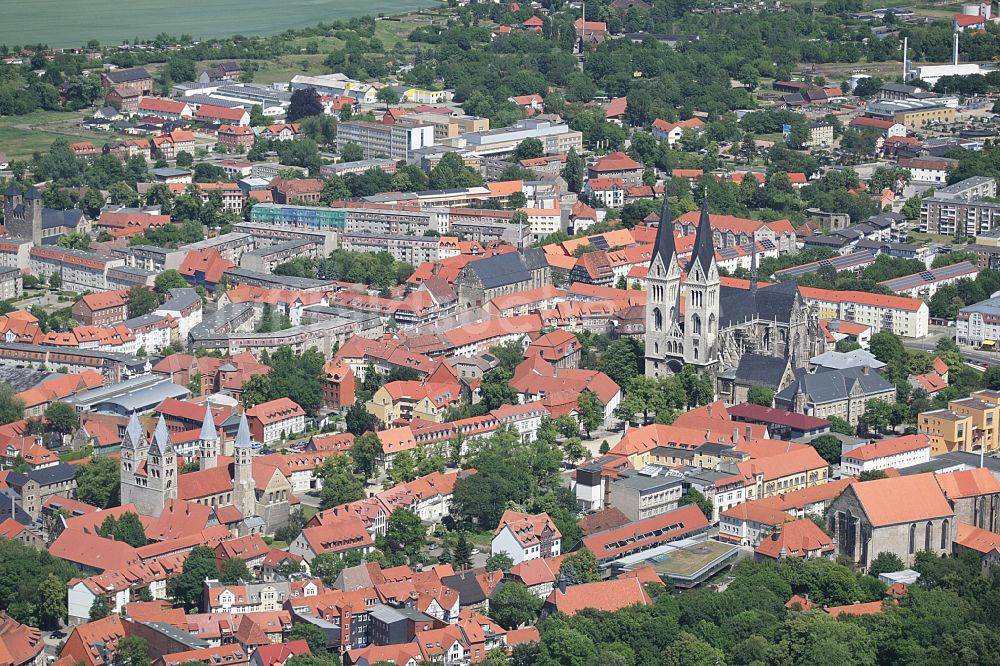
(967, 424)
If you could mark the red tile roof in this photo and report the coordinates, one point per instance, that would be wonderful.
(607, 595)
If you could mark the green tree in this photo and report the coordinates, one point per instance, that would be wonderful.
(499, 562)
(388, 96)
(312, 635)
(872, 475)
(694, 496)
(365, 453)
(404, 467)
(187, 588)
(340, 485)
(51, 601)
(169, 279)
(513, 605)
(128, 528)
(622, 361)
(885, 563)
(405, 535)
(133, 651)
(98, 481)
(11, 406)
(234, 569)
(579, 567)
(876, 416)
(573, 171)
(352, 152)
(358, 420)
(841, 426)
(461, 557)
(496, 390)
(327, 566)
(141, 300)
(100, 607)
(760, 395)
(828, 447)
(591, 411)
(61, 418)
(304, 102)
(528, 149)
(689, 650)
(886, 346)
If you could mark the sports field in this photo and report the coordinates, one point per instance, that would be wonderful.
(67, 23)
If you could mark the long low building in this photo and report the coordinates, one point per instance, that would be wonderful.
(906, 317)
(269, 281)
(854, 262)
(413, 250)
(112, 365)
(78, 270)
(323, 335)
(926, 283)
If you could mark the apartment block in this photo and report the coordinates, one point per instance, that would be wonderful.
(395, 141)
(556, 138)
(968, 425)
(79, 270)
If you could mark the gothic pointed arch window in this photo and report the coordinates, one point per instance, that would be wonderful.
(657, 319)
(944, 534)
(696, 324)
(928, 535)
(913, 538)
(711, 323)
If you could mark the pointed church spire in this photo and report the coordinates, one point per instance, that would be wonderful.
(665, 248)
(243, 440)
(161, 436)
(704, 245)
(753, 268)
(208, 426)
(133, 432)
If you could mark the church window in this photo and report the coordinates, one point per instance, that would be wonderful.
(657, 319)
(913, 538)
(696, 325)
(928, 535)
(944, 534)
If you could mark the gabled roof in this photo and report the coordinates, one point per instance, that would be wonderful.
(607, 595)
(901, 499)
(798, 538)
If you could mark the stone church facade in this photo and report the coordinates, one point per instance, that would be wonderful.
(721, 324)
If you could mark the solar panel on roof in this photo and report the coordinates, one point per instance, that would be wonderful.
(926, 275)
(768, 245)
(600, 242)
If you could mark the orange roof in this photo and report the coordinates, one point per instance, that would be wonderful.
(861, 297)
(968, 483)
(976, 538)
(780, 466)
(891, 447)
(757, 512)
(505, 188)
(92, 551)
(687, 173)
(870, 608)
(275, 411)
(798, 538)
(965, 20)
(607, 595)
(902, 499)
(617, 161)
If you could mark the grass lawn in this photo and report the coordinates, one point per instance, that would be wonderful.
(280, 545)
(309, 511)
(923, 239)
(41, 118)
(20, 144)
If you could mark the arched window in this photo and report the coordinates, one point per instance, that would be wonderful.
(913, 538)
(696, 325)
(711, 324)
(944, 534)
(657, 319)
(928, 535)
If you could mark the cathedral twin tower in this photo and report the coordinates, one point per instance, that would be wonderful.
(670, 346)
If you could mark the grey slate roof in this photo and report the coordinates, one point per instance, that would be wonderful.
(46, 476)
(857, 358)
(759, 369)
(125, 75)
(835, 385)
(500, 269)
(773, 303)
(534, 258)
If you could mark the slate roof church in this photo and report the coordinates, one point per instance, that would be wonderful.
(26, 217)
(720, 324)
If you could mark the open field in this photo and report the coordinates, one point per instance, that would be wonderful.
(21, 136)
(112, 23)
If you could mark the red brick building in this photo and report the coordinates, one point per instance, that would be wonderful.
(106, 308)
